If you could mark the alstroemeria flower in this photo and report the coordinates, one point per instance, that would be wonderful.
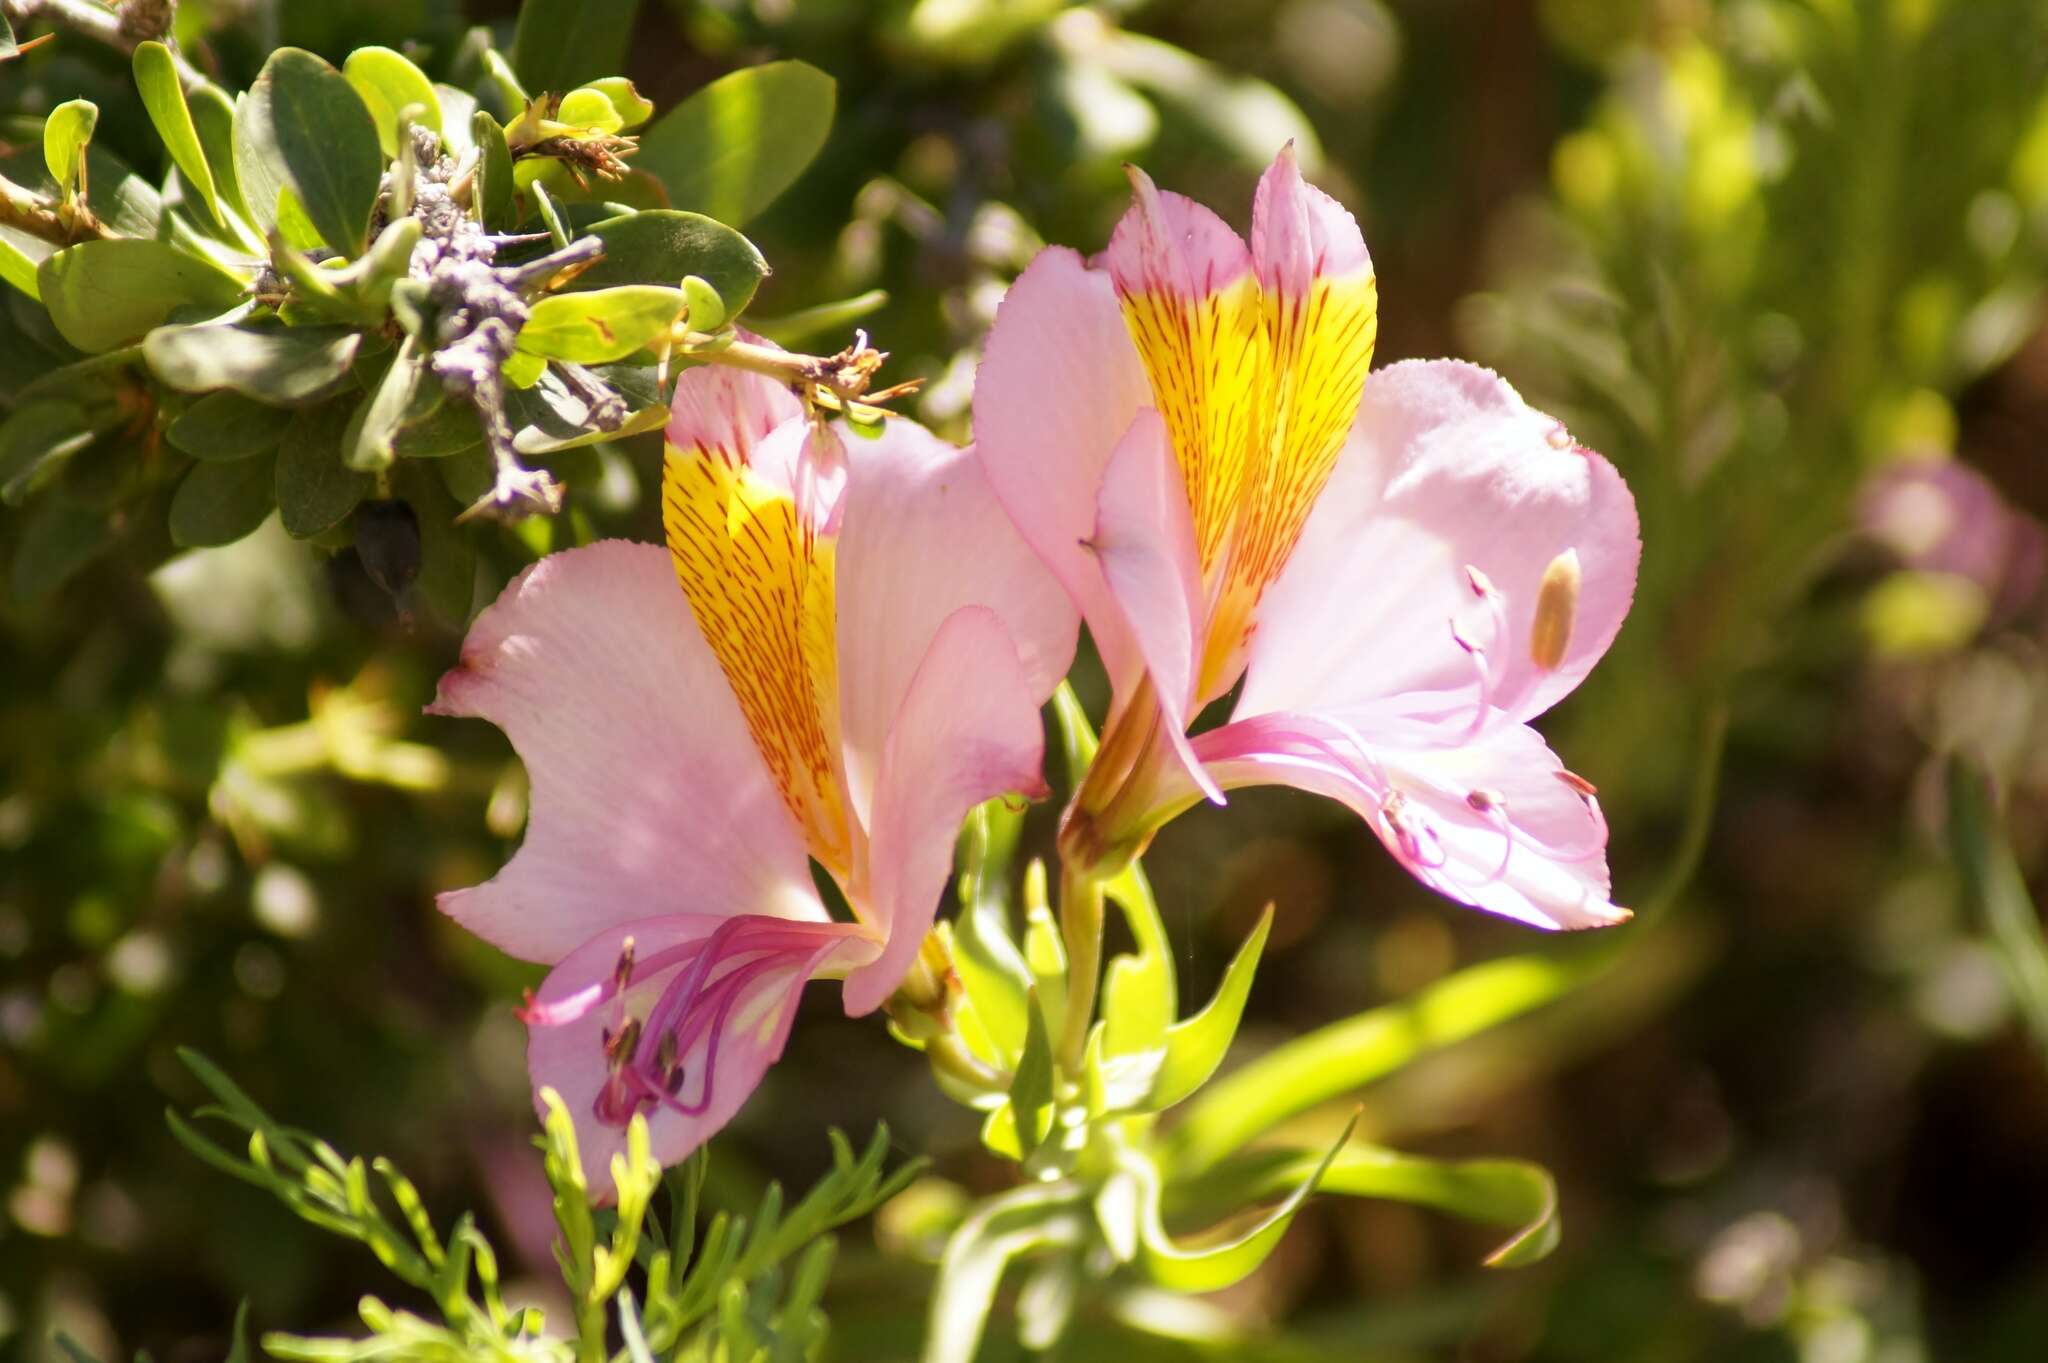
(856, 656)
(1403, 569)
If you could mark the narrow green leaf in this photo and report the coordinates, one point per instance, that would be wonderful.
(494, 171)
(1495, 1192)
(601, 325)
(796, 328)
(282, 366)
(661, 246)
(1031, 1091)
(218, 503)
(213, 119)
(1214, 1264)
(35, 441)
(163, 95)
(228, 426)
(1339, 1058)
(1077, 736)
(1195, 1047)
(561, 44)
(65, 134)
(315, 490)
(1140, 996)
(103, 293)
(1037, 1216)
(370, 444)
(1998, 891)
(993, 973)
(302, 127)
(732, 147)
(388, 84)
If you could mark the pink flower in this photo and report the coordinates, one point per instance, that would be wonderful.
(1403, 568)
(856, 655)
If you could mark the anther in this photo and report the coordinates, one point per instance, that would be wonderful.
(1483, 801)
(1481, 585)
(1559, 437)
(620, 1045)
(1557, 606)
(1577, 782)
(622, 973)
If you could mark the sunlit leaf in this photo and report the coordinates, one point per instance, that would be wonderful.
(1196, 1046)
(1026, 1220)
(163, 96)
(661, 246)
(733, 146)
(388, 83)
(66, 132)
(302, 127)
(103, 293)
(601, 325)
(35, 440)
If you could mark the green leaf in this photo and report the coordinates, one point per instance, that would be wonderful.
(228, 426)
(1140, 997)
(446, 584)
(1346, 1055)
(601, 325)
(1077, 736)
(163, 95)
(451, 427)
(302, 127)
(35, 441)
(20, 254)
(632, 107)
(315, 490)
(793, 329)
(388, 84)
(1214, 1264)
(1195, 1047)
(661, 246)
(1031, 1091)
(1025, 1220)
(66, 132)
(561, 44)
(281, 366)
(218, 503)
(1496, 1192)
(213, 119)
(733, 146)
(57, 539)
(371, 441)
(1997, 889)
(993, 973)
(547, 417)
(103, 293)
(493, 172)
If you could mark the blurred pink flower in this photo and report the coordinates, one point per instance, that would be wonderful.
(856, 656)
(1401, 582)
(1942, 516)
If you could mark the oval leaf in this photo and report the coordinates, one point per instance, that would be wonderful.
(56, 541)
(65, 134)
(213, 118)
(389, 83)
(663, 246)
(315, 490)
(226, 426)
(220, 503)
(156, 77)
(35, 440)
(283, 366)
(601, 325)
(102, 294)
(560, 44)
(733, 146)
(302, 127)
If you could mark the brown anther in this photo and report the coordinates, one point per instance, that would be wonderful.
(1485, 801)
(1459, 637)
(1578, 782)
(1481, 585)
(622, 972)
(620, 1045)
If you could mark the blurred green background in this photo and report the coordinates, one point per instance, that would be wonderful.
(1782, 260)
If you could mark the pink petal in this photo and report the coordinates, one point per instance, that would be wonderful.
(924, 536)
(968, 730)
(1145, 539)
(718, 407)
(1495, 823)
(1446, 469)
(1300, 233)
(736, 1011)
(1059, 383)
(1167, 243)
(648, 794)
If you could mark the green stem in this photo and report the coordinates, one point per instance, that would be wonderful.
(1081, 895)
